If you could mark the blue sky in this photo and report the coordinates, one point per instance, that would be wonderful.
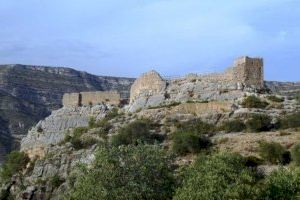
(174, 37)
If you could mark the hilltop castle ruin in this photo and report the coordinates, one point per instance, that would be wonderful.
(150, 89)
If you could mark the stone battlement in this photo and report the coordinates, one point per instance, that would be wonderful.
(91, 98)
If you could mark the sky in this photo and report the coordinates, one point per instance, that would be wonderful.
(129, 37)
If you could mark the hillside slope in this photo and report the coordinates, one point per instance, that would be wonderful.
(29, 94)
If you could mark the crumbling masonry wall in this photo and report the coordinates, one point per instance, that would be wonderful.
(91, 98)
(246, 73)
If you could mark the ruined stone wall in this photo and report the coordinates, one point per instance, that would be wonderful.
(148, 84)
(91, 98)
(71, 99)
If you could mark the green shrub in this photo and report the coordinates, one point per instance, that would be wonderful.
(92, 122)
(77, 132)
(275, 99)
(283, 184)
(15, 163)
(134, 132)
(258, 123)
(271, 152)
(56, 181)
(127, 172)
(196, 126)
(189, 142)
(290, 121)
(216, 177)
(233, 126)
(254, 102)
(295, 152)
(113, 113)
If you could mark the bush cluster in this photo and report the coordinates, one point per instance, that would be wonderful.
(191, 137)
(290, 121)
(274, 153)
(275, 99)
(196, 126)
(228, 176)
(254, 102)
(77, 141)
(15, 163)
(258, 123)
(135, 132)
(127, 172)
(185, 142)
(233, 126)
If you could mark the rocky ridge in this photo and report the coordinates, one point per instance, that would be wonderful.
(29, 94)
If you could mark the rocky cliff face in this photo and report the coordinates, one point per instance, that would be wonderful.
(29, 93)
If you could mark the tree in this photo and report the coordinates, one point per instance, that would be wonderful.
(283, 184)
(216, 177)
(126, 172)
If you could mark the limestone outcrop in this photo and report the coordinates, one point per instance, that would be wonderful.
(52, 130)
(149, 84)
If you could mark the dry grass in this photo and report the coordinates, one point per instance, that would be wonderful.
(247, 143)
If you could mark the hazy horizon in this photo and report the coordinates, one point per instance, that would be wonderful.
(128, 37)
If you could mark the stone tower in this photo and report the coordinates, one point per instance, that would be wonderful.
(249, 71)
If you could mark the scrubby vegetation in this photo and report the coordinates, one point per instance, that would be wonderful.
(137, 131)
(185, 142)
(258, 123)
(15, 163)
(283, 184)
(254, 102)
(220, 176)
(295, 152)
(233, 126)
(290, 121)
(191, 137)
(275, 99)
(127, 172)
(196, 126)
(273, 153)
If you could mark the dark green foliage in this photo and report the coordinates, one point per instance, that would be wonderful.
(258, 123)
(77, 132)
(103, 124)
(134, 132)
(275, 99)
(77, 141)
(290, 121)
(92, 122)
(283, 184)
(233, 126)
(15, 163)
(126, 172)
(295, 152)
(254, 102)
(271, 152)
(185, 142)
(196, 126)
(113, 113)
(56, 181)
(252, 161)
(218, 177)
